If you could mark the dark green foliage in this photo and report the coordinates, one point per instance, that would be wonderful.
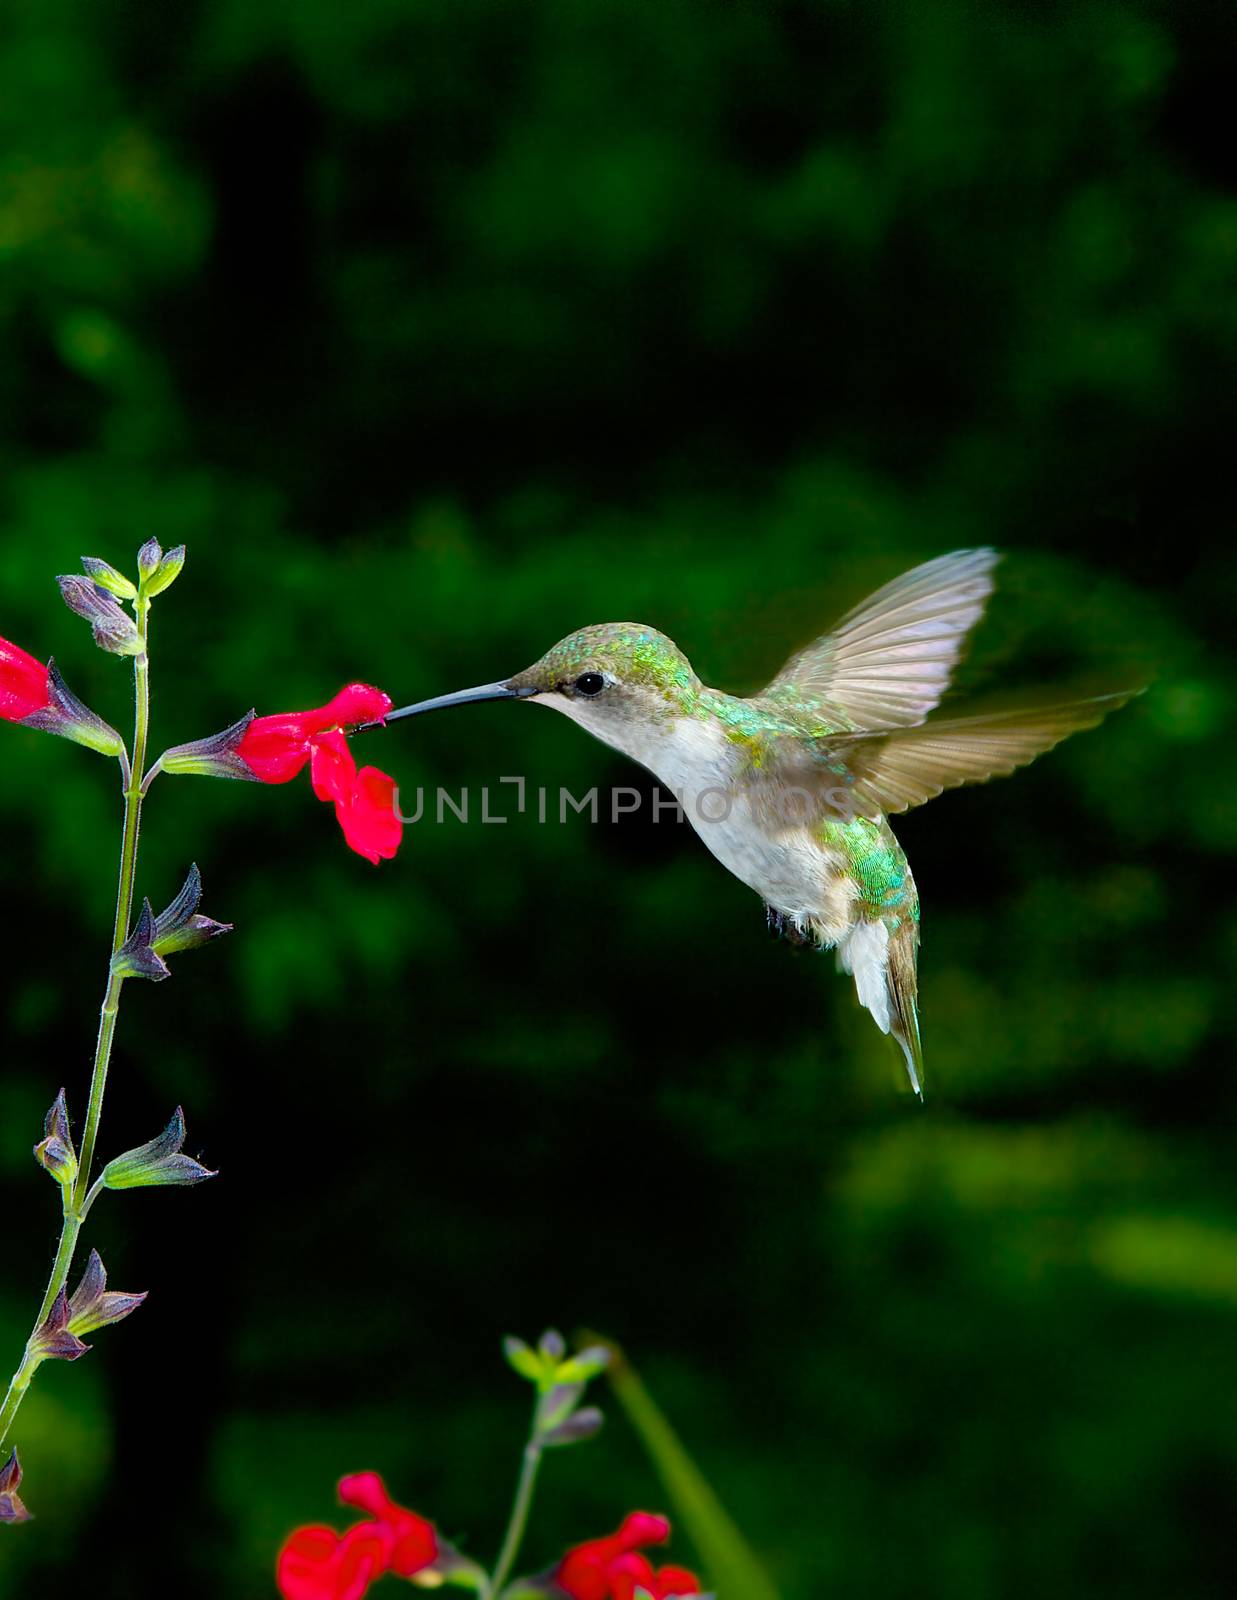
(436, 331)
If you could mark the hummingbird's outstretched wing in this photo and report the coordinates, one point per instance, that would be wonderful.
(888, 662)
(897, 770)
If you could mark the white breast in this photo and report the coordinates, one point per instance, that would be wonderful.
(693, 757)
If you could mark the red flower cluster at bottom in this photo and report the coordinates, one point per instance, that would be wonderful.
(613, 1569)
(317, 1563)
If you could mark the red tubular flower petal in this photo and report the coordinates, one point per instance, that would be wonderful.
(369, 819)
(301, 1568)
(671, 1582)
(416, 1545)
(362, 1557)
(641, 1528)
(332, 771)
(608, 1569)
(412, 1544)
(275, 749)
(584, 1577)
(627, 1573)
(317, 1564)
(23, 683)
(367, 1492)
(355, 702)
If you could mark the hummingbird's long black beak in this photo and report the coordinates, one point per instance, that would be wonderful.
(462, 697)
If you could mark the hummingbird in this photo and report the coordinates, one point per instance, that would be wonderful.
(792, 788)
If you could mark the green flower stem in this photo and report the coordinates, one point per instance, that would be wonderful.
(519, 1515)
(77, 1200)
(124, 906)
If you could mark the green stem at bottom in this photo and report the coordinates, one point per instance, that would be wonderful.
(519, 1516)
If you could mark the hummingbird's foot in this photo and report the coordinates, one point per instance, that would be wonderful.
(783, 927)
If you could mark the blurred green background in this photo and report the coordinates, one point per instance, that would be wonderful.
(437, 330)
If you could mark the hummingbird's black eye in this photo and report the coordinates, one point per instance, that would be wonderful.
(590, 683)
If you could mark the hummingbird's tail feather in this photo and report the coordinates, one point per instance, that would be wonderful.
(883, 967)
(903, 980)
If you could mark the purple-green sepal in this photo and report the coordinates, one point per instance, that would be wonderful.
(213, 757)
(55, 1340)
(137, 957)
(66, 716)
(180, 926)
(93, 1305)
(11, 1507)
(451, 1566)
(575, 1429)
(55, 1150)
(158, 1163)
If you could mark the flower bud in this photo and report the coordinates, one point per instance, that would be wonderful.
(137, 957)
(114, 630)
(54, 1340)
(179, 926)
(148, 558)
(55, 1150)
(583, 1366)
(106, 576)
(158, 1163)
(213, 757)
(523, 1360)
(11, 1507)
(93, 1305)
(552, 1345)
(165, 573)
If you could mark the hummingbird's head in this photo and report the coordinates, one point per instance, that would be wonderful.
(606, 661)
(617, 679)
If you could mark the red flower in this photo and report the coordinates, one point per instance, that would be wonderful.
(275, 749)
(319, 1564)
(24, 683)
(316, 1563)
(38, 696)
(413, 1542)
(612, 1569)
